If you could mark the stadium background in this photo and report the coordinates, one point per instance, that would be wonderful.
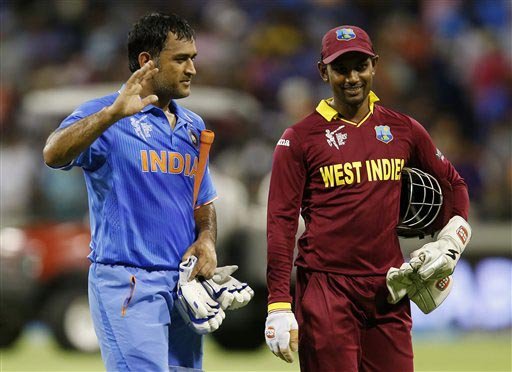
(445, 62)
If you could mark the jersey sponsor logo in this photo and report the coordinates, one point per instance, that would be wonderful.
(143, 130)
(168, 162)
(283, 142)
(343, 174)
(336, 138)
(383, 133)
(439, 154)
(345, 34)
(462, 233)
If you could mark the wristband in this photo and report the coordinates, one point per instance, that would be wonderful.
(276, 306)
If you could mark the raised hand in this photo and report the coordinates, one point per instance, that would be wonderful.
(131, 99)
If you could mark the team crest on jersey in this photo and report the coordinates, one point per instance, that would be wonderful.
(194, 138)
(143, 130)
(336, 138)
(383, 133)
(345, 34)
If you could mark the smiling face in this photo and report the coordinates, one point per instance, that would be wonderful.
(350, 77)
(176, 68)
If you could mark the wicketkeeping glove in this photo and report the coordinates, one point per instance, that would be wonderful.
(438, 259)
(398, 281)
(429, 295)
(426, 294)
(228, 291)
(282, 334)
(201, 312)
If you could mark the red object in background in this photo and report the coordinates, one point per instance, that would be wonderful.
(62, 247)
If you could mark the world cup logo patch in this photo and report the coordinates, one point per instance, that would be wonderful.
(383, 133)
(336, 138)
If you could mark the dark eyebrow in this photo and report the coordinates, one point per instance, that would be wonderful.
(184, 55)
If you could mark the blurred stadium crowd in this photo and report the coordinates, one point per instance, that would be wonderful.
(445, 62)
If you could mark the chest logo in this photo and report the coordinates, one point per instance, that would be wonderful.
(336, 138)
(143, 130)
(383, 133)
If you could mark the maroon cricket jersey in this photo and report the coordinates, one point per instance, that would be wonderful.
(344, 179)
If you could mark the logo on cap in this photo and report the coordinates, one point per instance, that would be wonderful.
(345, 34)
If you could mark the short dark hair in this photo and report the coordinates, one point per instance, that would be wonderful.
(150, 33)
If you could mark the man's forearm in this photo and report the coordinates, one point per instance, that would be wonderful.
(206, 221)
(66, 144)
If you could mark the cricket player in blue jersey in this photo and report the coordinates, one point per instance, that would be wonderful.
(139, 152)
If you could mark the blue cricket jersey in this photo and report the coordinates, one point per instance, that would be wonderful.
(140, 178)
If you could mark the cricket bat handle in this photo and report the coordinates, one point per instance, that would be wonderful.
(205, 143)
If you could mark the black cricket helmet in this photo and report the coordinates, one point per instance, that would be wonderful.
(421, 200)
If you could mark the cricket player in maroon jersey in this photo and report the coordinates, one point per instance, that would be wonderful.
(340, 168)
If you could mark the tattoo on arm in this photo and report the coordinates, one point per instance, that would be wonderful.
(206, 220)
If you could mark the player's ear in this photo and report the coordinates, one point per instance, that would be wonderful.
(322, 69)
(144, 57)
(374, 64)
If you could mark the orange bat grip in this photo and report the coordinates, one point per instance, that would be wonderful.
(206, 140)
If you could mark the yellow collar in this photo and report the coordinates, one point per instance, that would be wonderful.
(329, 113)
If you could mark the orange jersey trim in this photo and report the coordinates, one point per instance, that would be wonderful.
(206, 203)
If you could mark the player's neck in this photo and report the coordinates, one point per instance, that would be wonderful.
(355, 112)
(162, 103)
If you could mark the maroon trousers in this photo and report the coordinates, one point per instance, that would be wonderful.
(347, 325)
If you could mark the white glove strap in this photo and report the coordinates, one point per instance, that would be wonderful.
(186, 268)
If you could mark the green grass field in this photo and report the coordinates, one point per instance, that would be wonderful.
(472, 352)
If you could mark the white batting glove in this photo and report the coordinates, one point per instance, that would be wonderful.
(228, 291)
(438, 259)
(282, 334)
(201, 312)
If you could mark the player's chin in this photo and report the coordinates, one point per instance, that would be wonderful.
(354, 100)
(182, 92)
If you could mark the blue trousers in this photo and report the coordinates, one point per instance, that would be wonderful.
(137, 324)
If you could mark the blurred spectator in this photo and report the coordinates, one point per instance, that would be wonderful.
(19, 164)
(445, 62)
